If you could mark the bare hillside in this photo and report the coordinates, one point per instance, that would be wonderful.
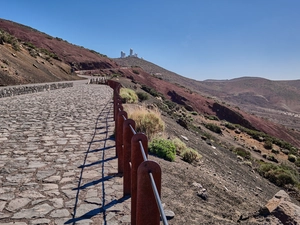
(279, 101)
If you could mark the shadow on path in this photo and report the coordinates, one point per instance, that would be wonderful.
(103, 117)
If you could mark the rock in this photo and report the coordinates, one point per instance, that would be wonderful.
(287, 213)
(282, 208)
(204, 138)
(237, 131)
(202, 194)
(184, 138)
(257, 150)
(169, 214)
(195, 184)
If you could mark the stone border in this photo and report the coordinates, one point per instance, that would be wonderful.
(21, 90)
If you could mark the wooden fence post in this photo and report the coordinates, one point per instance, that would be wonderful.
(127, 136)
(119, 140)
(147, 209)
(136, 160)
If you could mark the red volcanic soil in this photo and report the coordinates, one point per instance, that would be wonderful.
(78, 57)
(203, 105)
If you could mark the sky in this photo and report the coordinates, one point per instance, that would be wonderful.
(199, 39)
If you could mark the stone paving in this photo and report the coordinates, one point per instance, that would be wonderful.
(57, 159)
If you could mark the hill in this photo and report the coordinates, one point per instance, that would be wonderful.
(30, 56)
(276, 101)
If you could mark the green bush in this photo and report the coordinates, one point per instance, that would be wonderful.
(230, 126)
(242, 152)
(152, 91)
(163, 148)
(213, 127)
(136, 71)
(190, 155)
(142, 96)
(292, 158)
(280, 175)
(212, 117)
(297, 163)
(128, 95)
(170, 104)
(268, 144)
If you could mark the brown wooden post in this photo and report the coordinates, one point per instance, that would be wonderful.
(147, 209)
(119, 140)
(127, 136)
(136, 160)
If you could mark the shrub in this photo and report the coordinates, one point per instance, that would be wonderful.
(190, 155)
(147, 121)
(179, 145)
(170, 104)
(136, 71)
(212, 117)
(230, 126)
(142, 96)
(268, 144)
(163, 148)
(292, 158)
(297, 163)
(280, 175)
(242, 152)
(128, 95)
(152, 91)
(213, 127)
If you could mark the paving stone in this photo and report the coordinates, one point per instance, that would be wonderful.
(50, 186)
(41, 174)
(2, 205)
(4, 215)
(71, 203)
(57, 202)
(40, 222)
(14, 223)
(36, 164)
(17, 203)
(59, 213)
(7, 196)
(87, 210)
(90, 174)
(35, 212)
(94, 200)
(53, 179)
(31, 194)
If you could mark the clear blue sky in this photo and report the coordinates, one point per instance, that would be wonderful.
(199, 39)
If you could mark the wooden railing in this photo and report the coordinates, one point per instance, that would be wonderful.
(141, 177)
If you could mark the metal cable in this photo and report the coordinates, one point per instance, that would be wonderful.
(158, 202)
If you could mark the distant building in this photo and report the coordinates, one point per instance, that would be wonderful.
(123, 54)
(131, 54)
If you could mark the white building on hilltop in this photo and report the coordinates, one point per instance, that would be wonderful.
(131, 54)
(123, 54)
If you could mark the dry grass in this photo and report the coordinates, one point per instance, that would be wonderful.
(147, 121)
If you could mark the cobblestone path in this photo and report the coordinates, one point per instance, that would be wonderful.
(57, 159)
